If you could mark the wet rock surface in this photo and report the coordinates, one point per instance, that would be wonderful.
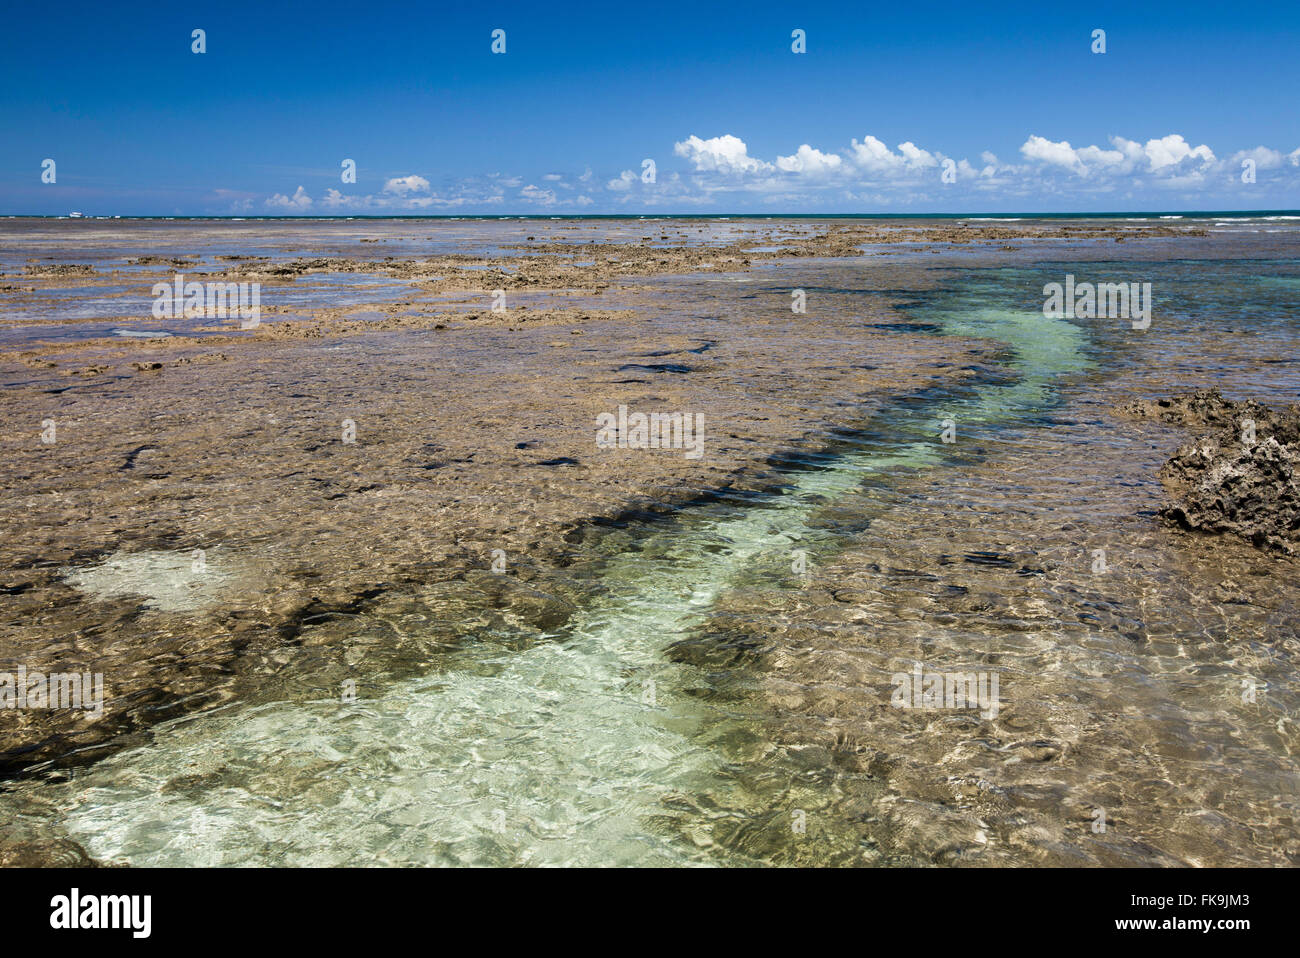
(204, 534)
(203, 517)
(1239, 476)
(1122, 738)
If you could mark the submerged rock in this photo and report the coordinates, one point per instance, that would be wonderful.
(1240, 475)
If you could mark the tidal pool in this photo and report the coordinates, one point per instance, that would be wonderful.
(722, 694)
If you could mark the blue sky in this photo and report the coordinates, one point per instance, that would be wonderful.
(1009, 100)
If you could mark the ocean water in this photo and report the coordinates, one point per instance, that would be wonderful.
(722, 695)
(723, 692)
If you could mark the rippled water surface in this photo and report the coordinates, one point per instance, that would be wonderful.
(718, 688)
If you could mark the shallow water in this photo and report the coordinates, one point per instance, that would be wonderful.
(77, 313)
(708, 702)
(574, 743)
(168, 581)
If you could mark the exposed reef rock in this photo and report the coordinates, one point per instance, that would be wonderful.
(1239, 475)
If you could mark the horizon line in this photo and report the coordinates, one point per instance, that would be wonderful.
(1109, 214)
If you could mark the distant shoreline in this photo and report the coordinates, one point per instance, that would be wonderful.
(1135, 214)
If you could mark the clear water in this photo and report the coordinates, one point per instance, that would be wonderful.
(602, 742)
(565, 752)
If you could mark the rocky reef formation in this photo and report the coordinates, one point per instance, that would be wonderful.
(1239, 476)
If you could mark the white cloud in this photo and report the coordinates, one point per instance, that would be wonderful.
(1092, 157)
(623, 182)
(1265, 159)
(1045, 151)
(299, 201)
(720, 171)
(916, 156)
(402, 185)
(810, 161)
(1169, 156)
(1172, 150)
(720, 154)
(873, 155)
(336, 200)
(535, 194)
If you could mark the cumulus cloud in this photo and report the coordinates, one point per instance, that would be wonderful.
(335, 200)
(622, 182)
(1170, 156)
(720, 170)
(916, 156)
(720, 154)
(1172, 150)
(873, 155)
(401, 185)
(1265, 159)
(299, 201)
(1045, 151)
(810, 161)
